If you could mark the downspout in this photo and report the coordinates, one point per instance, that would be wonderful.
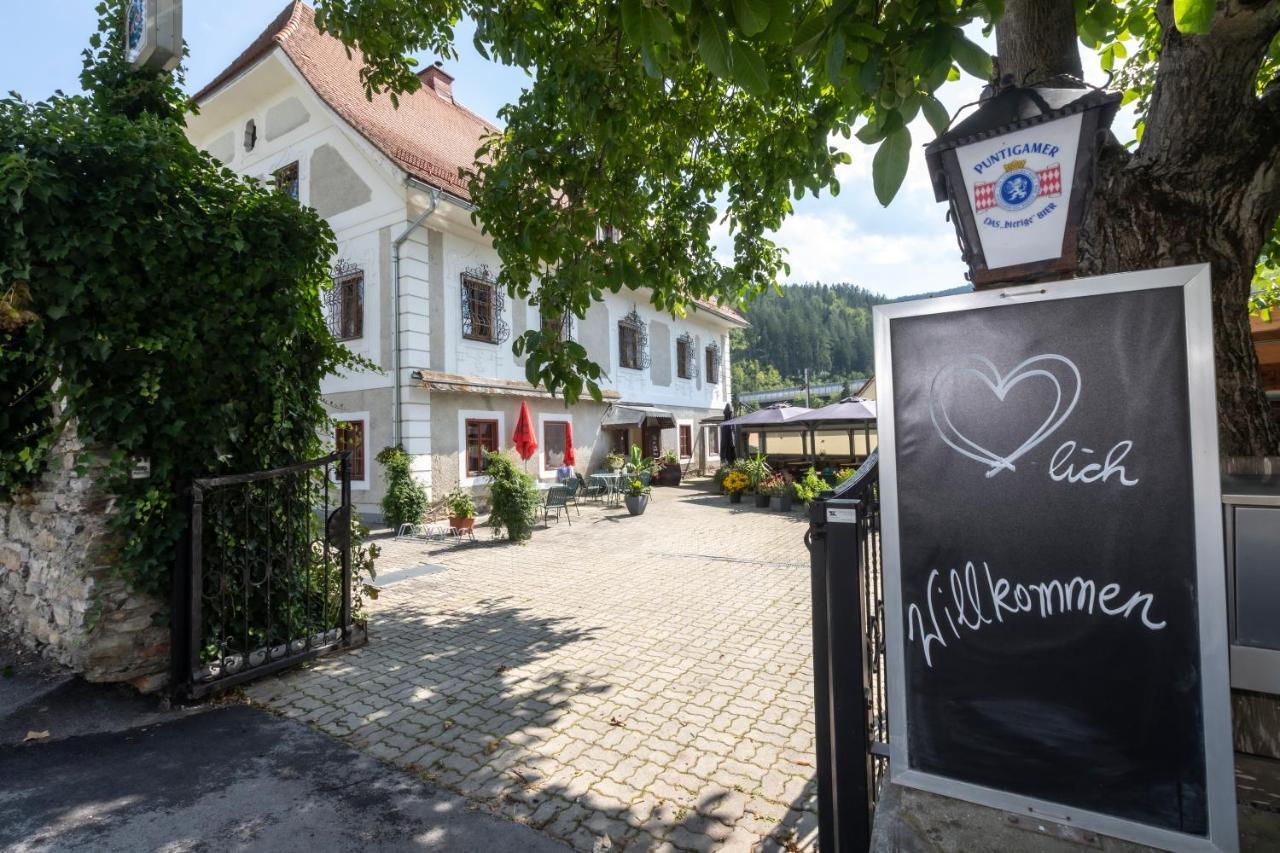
(395, 304)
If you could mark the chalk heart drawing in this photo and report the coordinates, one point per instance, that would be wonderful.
(1054, 369)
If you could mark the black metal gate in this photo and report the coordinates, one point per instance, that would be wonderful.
(850, 691)
(263, 579)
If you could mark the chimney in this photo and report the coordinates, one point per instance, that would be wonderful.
(436, 79)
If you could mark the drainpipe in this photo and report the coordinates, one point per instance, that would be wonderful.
(395, 306)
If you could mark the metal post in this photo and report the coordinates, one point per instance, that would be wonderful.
(817, 542)
(849, 679)
(179, 613)
(345, 472)
(195, 584)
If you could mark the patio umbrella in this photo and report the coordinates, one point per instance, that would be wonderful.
(570, 458)
(774, 415)
(728, 452)
(524, 439)
(848, 409)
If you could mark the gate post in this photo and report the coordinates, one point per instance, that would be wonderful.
(179, 609)
(344, 469)
(840, 638)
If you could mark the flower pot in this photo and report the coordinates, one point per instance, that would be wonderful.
(636, 503)
(780, 503)
(669, 474)
(762, 501)
(462, 524)
(735, 497)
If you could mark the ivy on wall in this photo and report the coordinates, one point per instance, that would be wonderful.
(166, 306)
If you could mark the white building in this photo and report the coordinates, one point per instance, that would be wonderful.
(414, 278)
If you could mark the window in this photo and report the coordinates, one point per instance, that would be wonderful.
(350, 436)
(682, 359)
(344, 302)
(557, 328)
(250, 135)
(608, 234)
(713, 363)
(482, 309)
(713, 440)
(633, 342)
(555, 437)
(686, 441)
(287, 180)
(619, 441)
(481, 438)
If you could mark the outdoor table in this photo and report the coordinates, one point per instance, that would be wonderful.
(611, 482)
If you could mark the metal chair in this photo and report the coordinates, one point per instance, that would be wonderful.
(557, 500)
(593, 489)
(575, 487)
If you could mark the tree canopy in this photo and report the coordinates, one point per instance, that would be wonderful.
(658, 116)
(820, 327)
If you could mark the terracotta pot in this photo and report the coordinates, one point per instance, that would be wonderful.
(462, 523)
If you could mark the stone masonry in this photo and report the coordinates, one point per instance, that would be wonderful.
(58, 595)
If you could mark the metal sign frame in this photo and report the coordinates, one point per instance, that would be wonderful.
(1210, 571)
(157, 27)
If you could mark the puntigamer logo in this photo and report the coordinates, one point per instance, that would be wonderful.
(1018, 188)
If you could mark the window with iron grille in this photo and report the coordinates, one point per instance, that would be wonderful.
(686, 441)
(558, 328)
(482, 306)
(344, 302)
(481, 438)
(713, 363)
(686, 362)
(287, 180)
(350, 436)
(633, 342)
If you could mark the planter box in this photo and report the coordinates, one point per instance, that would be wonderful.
(780, 504)
(462, 523)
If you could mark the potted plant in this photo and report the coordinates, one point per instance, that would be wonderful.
(779, 492)
(734, 483)
(669, 470)
(462, 510)
(614, 461)
(757, 471)
(636, 496)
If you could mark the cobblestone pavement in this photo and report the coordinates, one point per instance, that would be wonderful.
(622, 683)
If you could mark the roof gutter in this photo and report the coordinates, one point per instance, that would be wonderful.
(396, 437)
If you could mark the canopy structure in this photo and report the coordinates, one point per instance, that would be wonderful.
(848, 411)
(775, 416)
(626, 416)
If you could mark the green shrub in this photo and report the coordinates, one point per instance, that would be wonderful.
(810, 486)
(406, 499)
(460, 504)
(513, 498)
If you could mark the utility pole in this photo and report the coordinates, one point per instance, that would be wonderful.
(808, 402)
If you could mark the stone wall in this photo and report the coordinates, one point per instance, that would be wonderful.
(57, 593)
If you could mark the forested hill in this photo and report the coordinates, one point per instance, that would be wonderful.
(823, 327)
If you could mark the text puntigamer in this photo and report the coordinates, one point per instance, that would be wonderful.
(1045, 148)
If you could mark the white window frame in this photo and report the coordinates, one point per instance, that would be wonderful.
(465, 415)
(707, 440)
(543, 419)
(693, 438)
(359, 485)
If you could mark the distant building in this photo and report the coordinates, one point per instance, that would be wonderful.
(291, 109)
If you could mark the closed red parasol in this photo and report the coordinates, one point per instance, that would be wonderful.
(569, 458)
(526, 443)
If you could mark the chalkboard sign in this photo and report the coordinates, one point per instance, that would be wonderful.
(1054, 587)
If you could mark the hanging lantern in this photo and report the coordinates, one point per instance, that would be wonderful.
(1018, 177)
(153, 34)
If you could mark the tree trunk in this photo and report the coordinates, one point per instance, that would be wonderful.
(1203, 186)
(1036, 45)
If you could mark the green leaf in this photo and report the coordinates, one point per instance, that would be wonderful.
(835, 60)
(889, 166)
(752, 15)
(1193, 16)
(969, 56)
(645, 24)
(713, 46)
(748, 69)
(936, 114)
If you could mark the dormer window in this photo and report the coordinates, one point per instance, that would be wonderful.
(482, 305)
(633, 342)
(713, 363)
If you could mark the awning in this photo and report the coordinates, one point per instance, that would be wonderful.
(619, 417)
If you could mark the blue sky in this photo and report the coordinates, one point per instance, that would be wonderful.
(903, 249)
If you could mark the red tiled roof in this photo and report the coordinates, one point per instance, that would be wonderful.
(429, 137)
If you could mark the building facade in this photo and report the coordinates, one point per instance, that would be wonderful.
(414, 279)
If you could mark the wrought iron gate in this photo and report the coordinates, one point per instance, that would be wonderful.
(850, 690)
(263, 580)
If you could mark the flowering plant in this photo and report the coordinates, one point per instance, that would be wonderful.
(735, 481)
(775, 486)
